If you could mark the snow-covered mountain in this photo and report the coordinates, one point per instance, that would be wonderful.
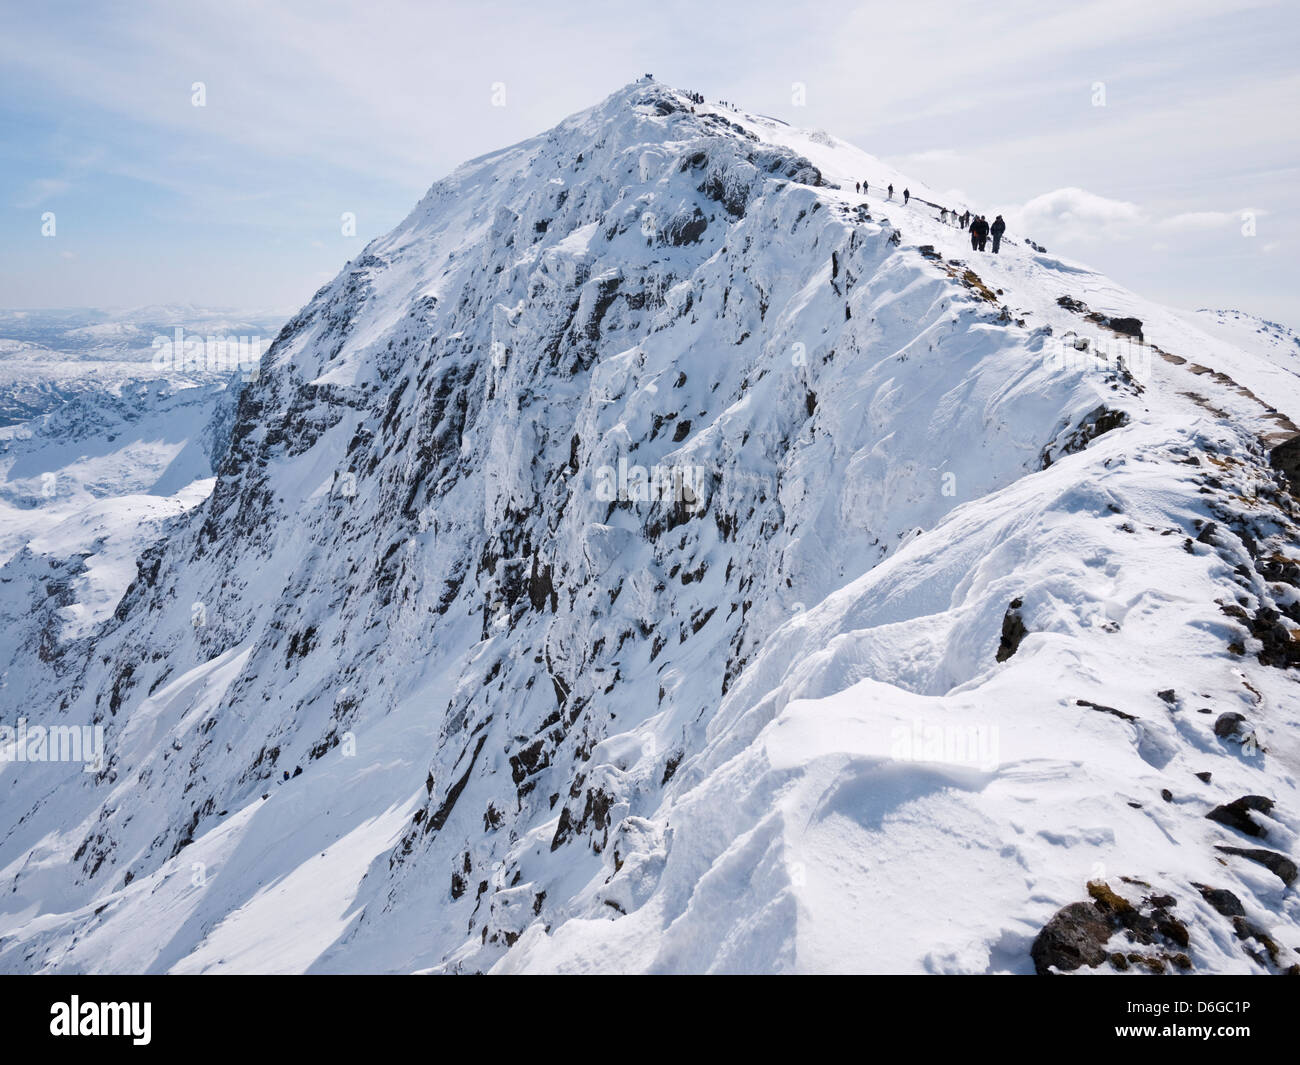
(654, 555)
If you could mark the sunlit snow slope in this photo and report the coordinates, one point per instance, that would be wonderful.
(940, 639)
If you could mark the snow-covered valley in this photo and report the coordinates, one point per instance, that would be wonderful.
(653, 556)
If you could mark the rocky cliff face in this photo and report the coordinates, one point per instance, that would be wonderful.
(613, 569)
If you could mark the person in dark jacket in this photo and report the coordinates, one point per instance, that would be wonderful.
(999, 227)
(907, 195)
(891, 191)
(975, 235)
(864, 188)
(857, 186)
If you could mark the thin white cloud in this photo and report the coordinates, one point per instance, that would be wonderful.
(1205, 221)
(1075, 215)
(918, 161)
(1078, 215)
(41, 190)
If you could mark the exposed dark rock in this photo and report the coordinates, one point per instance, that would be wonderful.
(685, 228)
(541, 591)
(1075, 937)
(448, 803)
(1247, 929)
(1286, 458)
(1128, 326)
(1279, 864)
(1013, 631)
(1236, 814)
(1105, 709)
(1228, 725)
(1098, 421)
(1223, 900)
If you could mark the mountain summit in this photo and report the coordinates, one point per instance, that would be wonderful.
(657, 555)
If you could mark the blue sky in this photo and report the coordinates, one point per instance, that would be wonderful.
(314, 109)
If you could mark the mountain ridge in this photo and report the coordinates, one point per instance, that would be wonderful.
(448, 709)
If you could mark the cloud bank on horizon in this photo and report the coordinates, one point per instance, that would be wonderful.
(214, 154)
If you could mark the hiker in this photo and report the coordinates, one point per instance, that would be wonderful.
(857, 186)
(907, 195)
(864, 188)
(999, 227)
(943, 215)
(891, 190)
(975, 235)
(984, 232)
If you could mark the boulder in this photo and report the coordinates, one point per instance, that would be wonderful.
(1128, 326)
(1286, 458)
(1228, 725)
(1223, 900)
(1236, 814)
(1278, 864)
(1075, 937)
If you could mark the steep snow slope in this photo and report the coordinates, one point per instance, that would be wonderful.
(926, 619)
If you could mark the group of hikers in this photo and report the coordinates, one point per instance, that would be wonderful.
(697, 98)
(861, 188)
(980, 230)
(977, 225)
